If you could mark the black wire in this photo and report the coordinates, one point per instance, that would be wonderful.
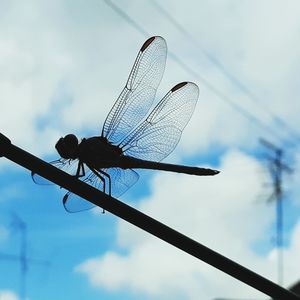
(216, 62)
(142, 221)
(241, 110)
(127, 18)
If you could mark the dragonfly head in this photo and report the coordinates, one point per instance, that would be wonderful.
(67, 147)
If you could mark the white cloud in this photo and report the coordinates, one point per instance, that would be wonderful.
(61, 68)
(48, 59)
(291, 257)
(47, 46)
(8, 295)
(220, 212)
(255, 43)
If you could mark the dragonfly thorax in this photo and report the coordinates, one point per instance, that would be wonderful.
(98, 152)
(67, 146)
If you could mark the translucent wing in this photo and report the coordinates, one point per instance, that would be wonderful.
(157, 136)
(121, 181)
(67, 165)
(137, 97)
(74, 203)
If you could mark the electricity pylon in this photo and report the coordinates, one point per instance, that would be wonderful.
(276, 169)
(20, 225)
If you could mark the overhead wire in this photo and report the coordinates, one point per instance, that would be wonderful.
(237, 107)
(227, 73)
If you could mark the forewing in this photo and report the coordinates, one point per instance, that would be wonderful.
(137, 97)
(157, 136)
(121, 181)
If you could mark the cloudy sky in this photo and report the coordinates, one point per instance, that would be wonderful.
(63, 64)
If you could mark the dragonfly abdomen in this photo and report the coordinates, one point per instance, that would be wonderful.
(134, 163)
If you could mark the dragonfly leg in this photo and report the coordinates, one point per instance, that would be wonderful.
(80, 170)
(109, 180)
(102, 179)
(100, 174)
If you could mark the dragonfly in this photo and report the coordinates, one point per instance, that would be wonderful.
(133, 136)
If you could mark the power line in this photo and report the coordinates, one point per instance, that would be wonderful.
(121, 13)
(220, 66)
(237, 107)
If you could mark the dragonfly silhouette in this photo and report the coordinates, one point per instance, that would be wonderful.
(131, 137)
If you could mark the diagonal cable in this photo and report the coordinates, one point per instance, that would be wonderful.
(143, 221)
(220, 66)
(241, 110)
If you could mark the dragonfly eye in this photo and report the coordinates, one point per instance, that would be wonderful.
(67, 147)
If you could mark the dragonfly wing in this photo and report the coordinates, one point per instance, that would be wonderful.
(121, 181)
(66, 165)
(157, 136)
(137, 97)
(70, 167)
(73, 202)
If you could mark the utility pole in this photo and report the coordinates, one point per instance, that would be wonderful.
(276, 168)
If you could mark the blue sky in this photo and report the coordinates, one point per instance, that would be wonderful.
(63, 64)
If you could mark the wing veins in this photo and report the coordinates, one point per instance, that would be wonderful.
(141, 85)
(157, 136)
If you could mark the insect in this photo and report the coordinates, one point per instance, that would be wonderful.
(132, 137)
